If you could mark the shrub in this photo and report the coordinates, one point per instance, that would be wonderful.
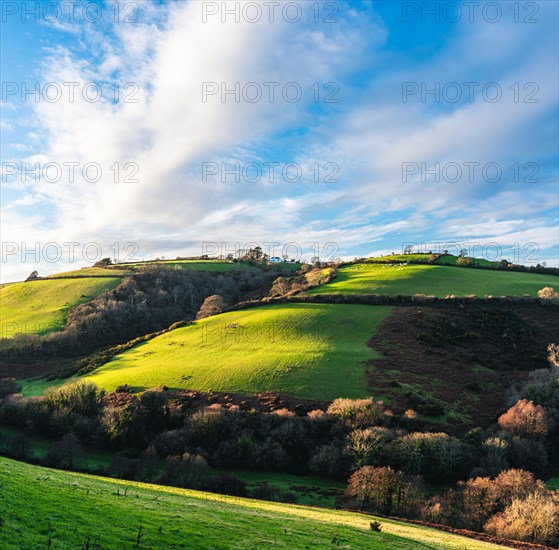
(228, 484)
(548, 293)
(542, 387)
(121, 425)
(553, 355)
(530, 454)
(474, 501)
(8, 386)
(515, 484)
(263, 491)
(207, 427)
(280, 287)
(465, 262)
(433, 455)
(496, 451)
(80, 397)
(329, 460)
(271, 454)
(384, 490)
(525, 419)
(357, 413)
(64, 452)
(533, 519)
(366, 445)
(212, 306)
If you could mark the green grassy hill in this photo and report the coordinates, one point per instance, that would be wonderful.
(44, 508)
(198, 265)
(423, 258)
(394, 279)
(303, 350)
(210, 265)
(452, 259)
(41, 306)
(93, 272)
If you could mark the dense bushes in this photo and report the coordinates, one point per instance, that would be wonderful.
(385, 491)
(513, 505)
(533, 519)
(525, 419)
(349, 435)
(212, 306)
(81, 398)
(8, 386)
(309, 278)
(436, 456)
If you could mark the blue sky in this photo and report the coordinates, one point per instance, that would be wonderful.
(355, 162)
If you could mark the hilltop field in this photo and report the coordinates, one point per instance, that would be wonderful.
(44, 508)
(433, 280)
(39, 307)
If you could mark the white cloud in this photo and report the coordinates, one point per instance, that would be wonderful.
(170, 132)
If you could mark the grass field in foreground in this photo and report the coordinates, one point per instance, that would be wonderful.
(44, 508)
(433, 280)
(304, 350)
(41, 306)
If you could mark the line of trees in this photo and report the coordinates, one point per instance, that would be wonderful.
(513, 504)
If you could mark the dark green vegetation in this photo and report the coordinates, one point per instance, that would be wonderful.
(455, 362)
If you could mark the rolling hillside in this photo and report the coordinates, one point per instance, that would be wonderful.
(303, 350)
(422, 258)
(198, 265)
(210, 265)
(44, 508)
(41, 306)
(394, 279)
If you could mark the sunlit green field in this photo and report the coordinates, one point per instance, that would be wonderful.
(198, 265)
(41, 306)
(303, 350)
(209, 265)
(44, 508)
(394, 279)
(424, 258)
(402, 258)
(93, 272)
(452, 259)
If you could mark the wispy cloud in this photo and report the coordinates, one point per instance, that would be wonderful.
(170, 132)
